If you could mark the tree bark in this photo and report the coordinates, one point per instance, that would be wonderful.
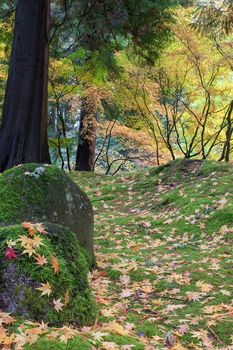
(23, 133)
(227, 144)
(85, 158)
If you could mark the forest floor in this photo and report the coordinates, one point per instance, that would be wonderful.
(164, 254)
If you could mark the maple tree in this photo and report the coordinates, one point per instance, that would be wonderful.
(184, 101)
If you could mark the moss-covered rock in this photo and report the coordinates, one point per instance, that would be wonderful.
(36, 193)
(22, 273)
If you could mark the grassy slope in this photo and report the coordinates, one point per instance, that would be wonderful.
(171, 232)
(164, 254)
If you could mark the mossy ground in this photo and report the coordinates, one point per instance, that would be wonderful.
(164, 254)
(170, 231)
(71, 279)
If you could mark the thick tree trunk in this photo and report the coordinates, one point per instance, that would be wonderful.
(87, 138)
(23, 133)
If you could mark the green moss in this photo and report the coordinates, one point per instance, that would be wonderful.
(24, 189)
(18, 190)
(183, 170)
(63, 244)
(36, 193)
(184, 214)
(148, 329)
(34, 304)
(77, 343)
(124, 340)
(113, 274)
(224, 331)
(209, 167)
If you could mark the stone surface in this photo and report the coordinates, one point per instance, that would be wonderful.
(37, 193)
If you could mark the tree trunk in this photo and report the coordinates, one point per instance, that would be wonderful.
(87, 138)
(23, 133)
(227, 145)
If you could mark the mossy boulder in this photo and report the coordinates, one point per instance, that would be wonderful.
(37, 193)
(23, 272)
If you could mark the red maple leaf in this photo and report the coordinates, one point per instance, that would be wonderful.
(10, 253)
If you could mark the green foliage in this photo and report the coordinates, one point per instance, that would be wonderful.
(183, 102)
(214, 18)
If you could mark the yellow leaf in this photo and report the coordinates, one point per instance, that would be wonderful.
(117, 329)
(178, 346)
(11, 243)
(25, 241)
(30, 251)
(30, 244)
(37, 241)
(45, 288)
(67, 333)
(9, 340)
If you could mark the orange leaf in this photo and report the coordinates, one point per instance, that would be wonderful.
(29, 227)
(41, 260)
(55, 264)
(6, 318)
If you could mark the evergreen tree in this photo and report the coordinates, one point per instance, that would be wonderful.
(23, 133)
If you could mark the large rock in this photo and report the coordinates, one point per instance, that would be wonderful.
(37, 193)
(56, 261)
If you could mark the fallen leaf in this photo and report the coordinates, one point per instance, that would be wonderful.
(58, 305)
(116, 328)
(55, 264)
(10, 254)
(45, 288)
(41, 260)
(29, 227)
